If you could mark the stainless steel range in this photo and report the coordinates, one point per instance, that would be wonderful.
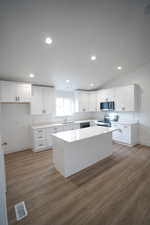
(106, 122)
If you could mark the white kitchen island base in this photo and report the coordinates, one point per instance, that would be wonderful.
(79, 149)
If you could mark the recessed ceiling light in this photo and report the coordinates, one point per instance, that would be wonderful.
(31, 75)
(92, 85)
(93, 57)
(48, 41)
(119, 67)
(67, 81)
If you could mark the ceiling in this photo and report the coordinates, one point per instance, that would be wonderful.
(116, 31)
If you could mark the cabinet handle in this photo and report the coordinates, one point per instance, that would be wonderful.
(39, 131)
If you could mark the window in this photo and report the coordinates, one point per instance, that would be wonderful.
(64, 105)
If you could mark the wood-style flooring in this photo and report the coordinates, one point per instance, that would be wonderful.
(115, 191)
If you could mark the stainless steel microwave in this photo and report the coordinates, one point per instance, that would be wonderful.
(108, 106)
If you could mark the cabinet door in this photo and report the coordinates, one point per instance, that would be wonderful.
(76, 126)
(7, 92)
(83, 102)
(48, 100)
(123, 134)
(68, 127)
(125, 99)
(49, 132)
(14, 92)
(126, 133)
(23, 92)
(92, 102)
(106, 95)
(37, 101)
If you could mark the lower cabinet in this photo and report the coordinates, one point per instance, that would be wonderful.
(42, 137)
(126, 133)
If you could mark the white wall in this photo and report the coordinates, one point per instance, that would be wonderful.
(3, 207)
(3, 210)
(16, 123)
(142, 79)
(16, 131)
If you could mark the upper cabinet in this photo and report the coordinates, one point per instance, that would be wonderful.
(86, 101)
(125, 98)
(15, 92)
(43, 100)
(92, 103)
(82, 101)
(105, 95)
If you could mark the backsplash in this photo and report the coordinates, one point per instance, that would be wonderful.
(123, 116)
(127, 116)
(39, 119)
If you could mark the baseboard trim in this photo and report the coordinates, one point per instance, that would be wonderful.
(21, 150)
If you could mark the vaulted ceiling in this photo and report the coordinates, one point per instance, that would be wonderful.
(116, 31)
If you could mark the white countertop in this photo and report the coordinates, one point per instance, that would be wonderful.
(125, 122)
(79, 134)
(40, 126)
(83, 121)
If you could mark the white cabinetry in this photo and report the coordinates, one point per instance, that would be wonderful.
(43, 100)
(126, 133)
(82, 101)
(49, 132)
(92, 101)
(42, 137)
(125, 98)
(105, 95)
(86, 101)
(15, 92)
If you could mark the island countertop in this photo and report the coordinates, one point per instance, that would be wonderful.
(79, 134)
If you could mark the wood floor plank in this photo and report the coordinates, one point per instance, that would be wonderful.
(115, 191)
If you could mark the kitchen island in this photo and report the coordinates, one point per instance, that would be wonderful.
(75, 150)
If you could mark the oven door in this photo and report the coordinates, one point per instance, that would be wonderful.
(84, 124)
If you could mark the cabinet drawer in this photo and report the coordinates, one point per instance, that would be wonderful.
(40, 144)
(39, 136)
(92, 123)
(39, 132)
(68, 127)
(76, 126)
